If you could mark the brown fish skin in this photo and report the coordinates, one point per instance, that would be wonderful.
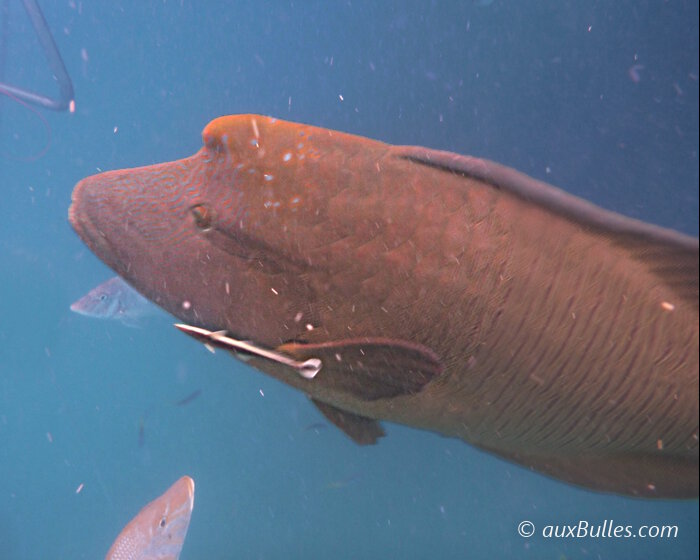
(567, 335)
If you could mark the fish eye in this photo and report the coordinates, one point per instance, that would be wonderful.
(103, 297)
(162, 522)
(203, 216)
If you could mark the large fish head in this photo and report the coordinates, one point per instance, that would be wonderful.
(222, 239)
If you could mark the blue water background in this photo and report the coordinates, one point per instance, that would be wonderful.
(543, 86)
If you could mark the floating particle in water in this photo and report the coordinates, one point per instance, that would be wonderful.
(634, 73)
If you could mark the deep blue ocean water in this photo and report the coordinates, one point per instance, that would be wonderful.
(542, 86)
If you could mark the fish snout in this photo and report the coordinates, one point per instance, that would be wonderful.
(189, 482)
(113, 213)
(91, 214)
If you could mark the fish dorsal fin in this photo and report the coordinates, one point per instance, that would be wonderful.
(361, 430)
(672, 256)
(370, 368)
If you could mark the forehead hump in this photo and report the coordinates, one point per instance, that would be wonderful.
(257, 137)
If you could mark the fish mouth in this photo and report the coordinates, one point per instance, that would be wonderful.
(79, 218)
(190, 490)
(84, 223)
(74, 211)
(183, 502)
(77, 309)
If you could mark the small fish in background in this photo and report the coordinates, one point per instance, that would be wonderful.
(316, 427)
(634, 73)
(158, 531)
(342, 482)
(184, 401)
(114, 299)
(189, 398)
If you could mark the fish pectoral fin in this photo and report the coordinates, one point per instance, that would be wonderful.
(364, 368)
(361, 430)
(646, 475)
(370, 368)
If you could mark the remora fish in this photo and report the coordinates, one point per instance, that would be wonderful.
(440, 291)
(158, 531)
(114, 299)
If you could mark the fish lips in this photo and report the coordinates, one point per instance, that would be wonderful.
(84, 222)
(99, 214)
(187, 496)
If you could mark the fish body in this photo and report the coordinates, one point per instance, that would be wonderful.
(440, 291)
(116, 300)
(158, 531)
